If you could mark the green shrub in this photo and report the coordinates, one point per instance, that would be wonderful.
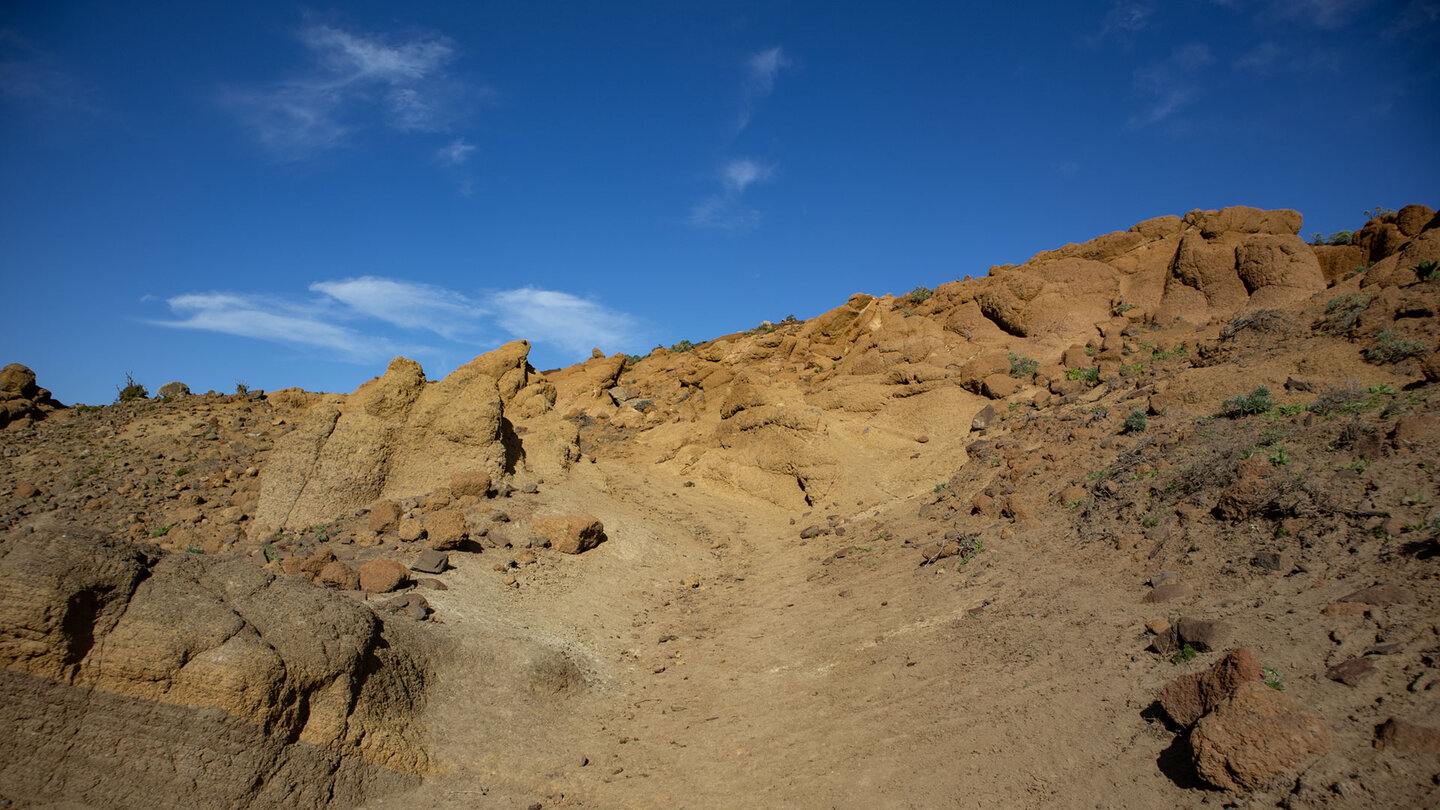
(1185, 653)
(682, 346)
(132, 391)
(1257, 401)
(919, 295)
(241, 388)
(1090, 375)
(1274, 679)
(1427, 270)
(1136, 422)
(1343, 312)
(1339, 238)
(1390, 348)
(161, 531)
(1119, 307)
(1022, 367)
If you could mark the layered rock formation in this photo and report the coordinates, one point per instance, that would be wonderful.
(399, 435)
(133, 677)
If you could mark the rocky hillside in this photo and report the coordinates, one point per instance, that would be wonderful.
(1168, 494)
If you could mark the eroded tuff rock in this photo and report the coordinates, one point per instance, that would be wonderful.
(20, 398)
(220, 683)
(399, 435)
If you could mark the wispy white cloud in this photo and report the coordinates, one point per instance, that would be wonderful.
(725, 210)
(407, 304)
(278, 321)
(560, 319)
(761, 70)
(455, 153)
(353, 81)
(742, 173)
(1170, 85)
(345, 316)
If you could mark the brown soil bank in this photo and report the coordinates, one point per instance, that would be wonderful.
(1145, 521)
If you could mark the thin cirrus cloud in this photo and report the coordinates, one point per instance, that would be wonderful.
(342, 319)
(1170, 85)
(353, 81)
(761, 69)
(726, 210)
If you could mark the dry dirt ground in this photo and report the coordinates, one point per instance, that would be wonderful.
(871, 560)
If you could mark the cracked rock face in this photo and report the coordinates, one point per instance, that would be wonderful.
(214, 663)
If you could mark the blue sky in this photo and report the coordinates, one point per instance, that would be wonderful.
(292, 195)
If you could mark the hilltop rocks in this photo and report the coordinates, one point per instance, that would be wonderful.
(174, 390)
(398, 436)
(228, 684)
(20, 398)
(570, 534)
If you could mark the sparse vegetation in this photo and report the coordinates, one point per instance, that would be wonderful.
(1343, 312)
(1021, 366)
(1167, 354)
(1391, 348)
(682, 346)
(132, 391)
(1257, 401)
(1426, 270)
(1279, 457)
(1136, 422)
(242, 388)
(919, 295)
(1337, 238)
(161, 531)
(1090, 375)
(1185, 653)
(1274, 679)
(1119, 307)
(1377, 211)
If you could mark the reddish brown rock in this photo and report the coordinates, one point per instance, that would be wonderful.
(1352, 672)
(570, 534)
(410, 529)
(337, 574)
(475, 482)
(1383, 594)
(382, 576)
(446, 529)
(1190, 697)
(1254, 736)
(1407, 738)
(1166, 592)
(384, 516)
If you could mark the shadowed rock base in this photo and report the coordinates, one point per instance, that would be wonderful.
(102, 750)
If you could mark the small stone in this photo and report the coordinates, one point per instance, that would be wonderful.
(384, 516)
(526, 557)
(570, 534)
(337, 574)
(382, 576)
(1407, 738)
(431, 583)
(1157, 626)
(1352, 672)
(982, 420)
(411, 529)
(1269, 560)
(813, 530)
(1202, 634)
(1345, 609)
(476, 483)
(446, 529)
(1166, 592)
(1384, 594)
(431, 562)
